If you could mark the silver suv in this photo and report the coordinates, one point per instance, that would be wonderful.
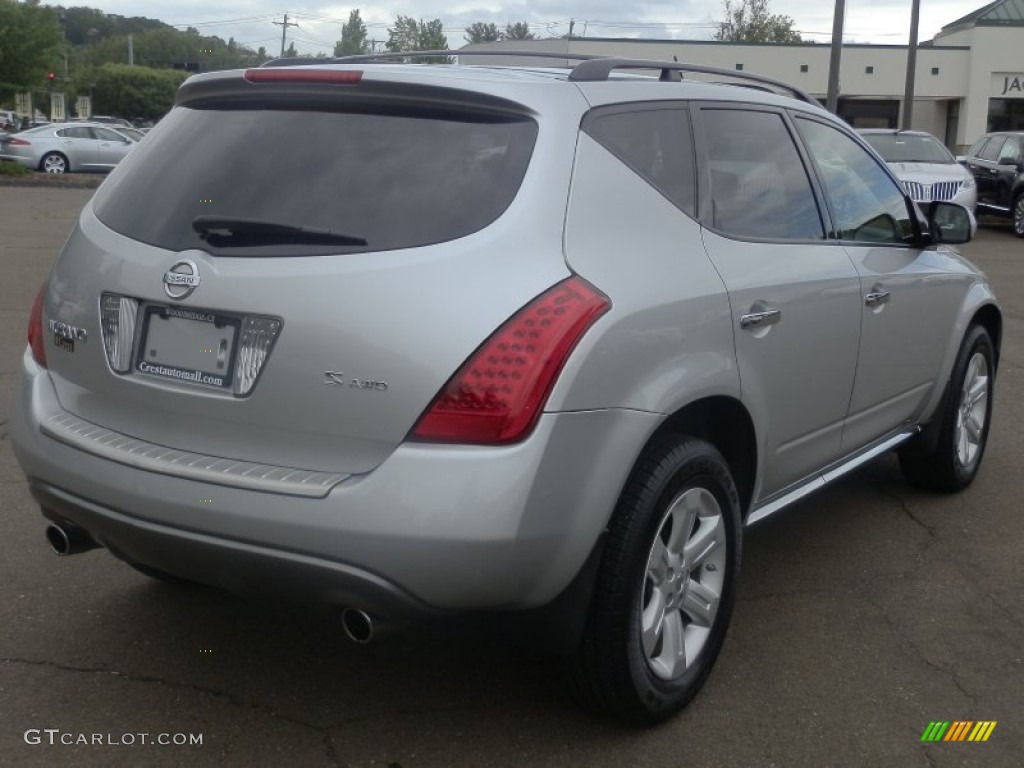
(429, 340)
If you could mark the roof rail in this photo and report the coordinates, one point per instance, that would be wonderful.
(597, 69)
(591, 68)
(375, 57)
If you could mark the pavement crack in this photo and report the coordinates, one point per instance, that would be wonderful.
(916, 649)
(217, 693)
(909, 512)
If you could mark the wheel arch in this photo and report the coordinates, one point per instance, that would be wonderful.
(725, 423)
(991, 319)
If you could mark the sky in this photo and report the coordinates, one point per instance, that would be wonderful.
(250, 21)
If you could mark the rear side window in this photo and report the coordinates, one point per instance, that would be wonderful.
(394, 180)
(759, 186)
(656, 143)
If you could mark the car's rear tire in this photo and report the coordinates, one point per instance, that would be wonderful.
(1018, 215)
(665, 588)
(54, 162)
(950, 460)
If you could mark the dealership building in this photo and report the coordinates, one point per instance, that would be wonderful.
(969, 79)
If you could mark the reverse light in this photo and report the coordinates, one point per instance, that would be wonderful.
(256, 341)
(498, 394)
(118, 317)
(297, 75)
(35, 327)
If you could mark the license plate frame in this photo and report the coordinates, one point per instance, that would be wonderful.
(202, 333)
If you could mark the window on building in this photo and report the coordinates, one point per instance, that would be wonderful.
(935, 70)
(739, 66)
(804, 68)
(869, 70)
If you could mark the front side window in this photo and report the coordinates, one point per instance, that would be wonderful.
(991, 150)
(866, 204)
(105, 134)
(656, 143)
(1010, 152)
(759, 186)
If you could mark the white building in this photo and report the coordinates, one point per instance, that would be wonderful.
(969, 80)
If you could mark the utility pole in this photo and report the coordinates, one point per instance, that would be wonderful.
(284, 30)
(131, 51)
(832, 102)
(908, 92)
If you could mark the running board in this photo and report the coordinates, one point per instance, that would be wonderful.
(834, 473)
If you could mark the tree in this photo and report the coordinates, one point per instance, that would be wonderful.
(135, 91)
(480, 32)
(749, 21)
(30, 42)
(353, 37)
(518, 31)
(411, 35)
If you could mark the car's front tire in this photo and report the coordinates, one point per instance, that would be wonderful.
(666, 585)
(964, 416)
(1018, 215)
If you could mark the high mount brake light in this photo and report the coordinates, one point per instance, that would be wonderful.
(498, 394)
(299, 75)
(35, 327)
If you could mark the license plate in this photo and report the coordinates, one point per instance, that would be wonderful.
(190, 346)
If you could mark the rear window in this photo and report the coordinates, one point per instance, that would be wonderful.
(395, 180)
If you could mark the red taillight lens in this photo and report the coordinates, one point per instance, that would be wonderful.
(296, 75)
(497, 395)
(19, 143)
(35, 328)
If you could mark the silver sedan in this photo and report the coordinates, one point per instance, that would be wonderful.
(64, 147)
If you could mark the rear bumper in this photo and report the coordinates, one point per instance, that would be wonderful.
(433, 528)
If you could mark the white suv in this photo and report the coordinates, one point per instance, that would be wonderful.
(421, 340)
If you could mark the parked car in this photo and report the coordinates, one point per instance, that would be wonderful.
(537, 342)
(108, 120)
(997, 163)
(924, 166)
(65, 147)
(8, 120)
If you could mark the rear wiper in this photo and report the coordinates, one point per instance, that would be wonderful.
(227, 231)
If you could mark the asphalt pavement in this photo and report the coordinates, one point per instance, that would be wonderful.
(865, 613)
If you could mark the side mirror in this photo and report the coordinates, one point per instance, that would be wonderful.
(950, 223)
(962, 159)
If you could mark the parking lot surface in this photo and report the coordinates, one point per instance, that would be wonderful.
(865, 612)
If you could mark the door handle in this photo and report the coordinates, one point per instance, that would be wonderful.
(761, 318)
(877, 297)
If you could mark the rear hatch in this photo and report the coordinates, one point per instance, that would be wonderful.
(292, 265)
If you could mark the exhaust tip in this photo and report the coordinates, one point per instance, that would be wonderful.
(358, 625)
(58, 539)
(67, 539)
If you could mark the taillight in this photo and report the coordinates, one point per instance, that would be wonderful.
(19, 142)
(297, 75)
(498, 394)
(35, 327)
